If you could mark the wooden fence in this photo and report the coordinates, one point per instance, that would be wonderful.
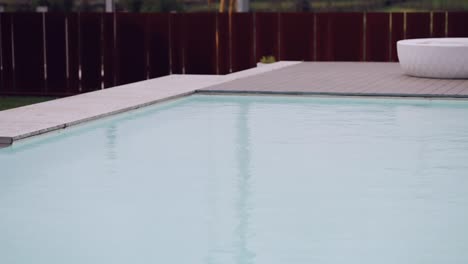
(63, 54)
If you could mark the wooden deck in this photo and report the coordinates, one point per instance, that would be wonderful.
(344, 78)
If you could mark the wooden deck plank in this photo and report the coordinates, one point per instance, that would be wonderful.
(464, 91)
(458, 88)
(346, 78)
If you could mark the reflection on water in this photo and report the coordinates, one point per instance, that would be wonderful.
(211, 190)
(243, 254)
(111, 138)
(111, 153)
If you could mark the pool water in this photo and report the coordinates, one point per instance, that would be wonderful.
(244, 179)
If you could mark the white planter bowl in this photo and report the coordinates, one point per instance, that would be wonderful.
(434, 57)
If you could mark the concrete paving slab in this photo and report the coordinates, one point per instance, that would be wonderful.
(27, 121)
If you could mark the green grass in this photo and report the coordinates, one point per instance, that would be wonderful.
(8, 102)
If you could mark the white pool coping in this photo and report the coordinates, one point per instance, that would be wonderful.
(22, 122)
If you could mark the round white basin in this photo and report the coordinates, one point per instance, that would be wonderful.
(434, 57)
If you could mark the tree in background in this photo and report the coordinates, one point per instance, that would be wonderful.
(164, 6)
(303, 6)
(151, 5)
(85, 6)
(54, 5)
(67, 5)
(132, 5)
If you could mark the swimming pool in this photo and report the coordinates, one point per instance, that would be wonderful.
(244, 179)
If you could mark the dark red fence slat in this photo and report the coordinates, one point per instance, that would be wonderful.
(457, 24)
(418, 25)
(339, 36)
(131, 52)
(109, 51)
(200, 46)
(28, 53)
(266, 35)
(377, 37)
(242, 41)
(324, 37)
(177, 37)
(56, 53)
(397, 32)
(223, 43)
(296, 36)
(438, 24)
(73, 53)
(81, 49)
(7, 82)
(158, 41)
(90, 51)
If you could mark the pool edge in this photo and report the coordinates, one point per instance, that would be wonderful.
(8, 141)
(333, 94)
(179, 86)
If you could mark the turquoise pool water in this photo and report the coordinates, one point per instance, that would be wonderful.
(244, 179)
